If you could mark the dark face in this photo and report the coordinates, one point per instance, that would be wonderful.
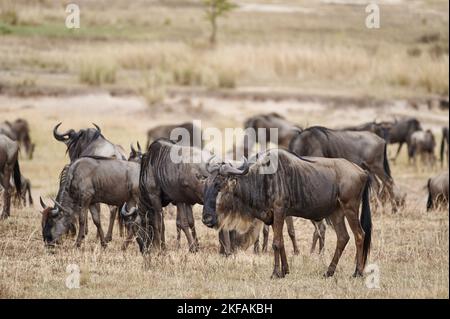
(135, 156)
(212, 189)
(54, 225)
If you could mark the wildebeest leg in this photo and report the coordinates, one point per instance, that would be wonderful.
(337, 219)
(163, 232)
(225, 243)
(184, 224)
(352, 218)
(121, 226)
(319, 234)
(256, 246)
(6, 191)
(82, 231)
(291, 232)
(191, 222)
(278, 245)
(398, 151)
(178, 234)
(112, 217)
(96, 219)
(265, 238)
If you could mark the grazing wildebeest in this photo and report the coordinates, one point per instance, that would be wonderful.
(365, 149)
(178, 181)
(381, 129)
(286, 130)
(438, 191)
(91, 142)
(423, 144)
(19, 131)
(401, 131)
(85, 183)
(444, 144)
(9, 166)
(313, 188)
(164, 131)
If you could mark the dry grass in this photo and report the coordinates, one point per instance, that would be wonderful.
(327, 48)
(410, 248)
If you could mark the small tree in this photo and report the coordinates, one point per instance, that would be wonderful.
(215, 9)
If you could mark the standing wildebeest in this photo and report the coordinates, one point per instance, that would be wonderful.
(286, 130)
(19, 131)
(85, 183)
(88, 142)
(423, 144)
(312, 188)
(164, 131)
(401, 131)
(365, 149)
(178, 181)
(9, 166)
(91, 142)
(438, 191)
(444, 144)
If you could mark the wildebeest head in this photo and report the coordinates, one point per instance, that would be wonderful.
(222, 176)
(76, 142)
(135, 155)
(55, 223)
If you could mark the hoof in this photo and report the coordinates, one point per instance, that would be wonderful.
(277, 275)
(296, 252)
(108, 239)
(357, 274)
(329, 274)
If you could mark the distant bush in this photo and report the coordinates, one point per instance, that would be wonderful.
(97, 72)
(9, 16)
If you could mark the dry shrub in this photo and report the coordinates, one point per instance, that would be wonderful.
(97, 71)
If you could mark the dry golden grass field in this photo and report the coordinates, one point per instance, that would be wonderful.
(134, 65)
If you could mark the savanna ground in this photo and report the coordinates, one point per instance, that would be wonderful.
(133, 66)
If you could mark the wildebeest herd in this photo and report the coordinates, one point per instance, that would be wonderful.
(321, 174)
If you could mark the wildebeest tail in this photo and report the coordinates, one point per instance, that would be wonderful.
(430, 198)
(30, 198)
(17, 178)
(387, 168)
(366, 219)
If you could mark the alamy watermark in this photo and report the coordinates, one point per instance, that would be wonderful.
(73, 16)
(373, 17)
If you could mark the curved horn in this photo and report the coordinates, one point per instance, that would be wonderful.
(227, 169)
(42, 203)
(62, 137)
(58, 204)
(97, 127)
(212, 168)
(132, 149)
(139, 147)
(125, 213)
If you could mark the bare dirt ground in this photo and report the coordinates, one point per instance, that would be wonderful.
(410, 248)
